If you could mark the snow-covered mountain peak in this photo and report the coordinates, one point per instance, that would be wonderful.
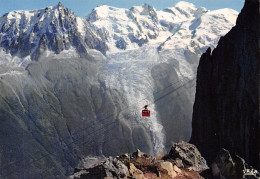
(103, 12)
(145, 9)
(185, 5)
(185, 11)
(55, 28)
(229, 15)
(125, 29)
(38, 21)
(60, 6)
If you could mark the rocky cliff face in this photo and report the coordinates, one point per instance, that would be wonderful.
(53, 113)
(30, 33)
(226, 109)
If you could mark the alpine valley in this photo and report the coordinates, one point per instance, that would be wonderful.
(74, 87)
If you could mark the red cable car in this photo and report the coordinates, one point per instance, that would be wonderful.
(146, 112)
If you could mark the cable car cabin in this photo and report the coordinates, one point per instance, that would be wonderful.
(146, 113)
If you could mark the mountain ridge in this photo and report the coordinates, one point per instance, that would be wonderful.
(31, 28)
(79, 78)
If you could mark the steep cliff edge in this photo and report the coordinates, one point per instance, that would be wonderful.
(226, 108)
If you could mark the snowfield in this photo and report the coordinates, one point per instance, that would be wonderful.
(183, 31)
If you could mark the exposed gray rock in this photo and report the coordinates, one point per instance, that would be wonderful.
(55, 29)
(120, 43)
(189, 155)
(112, 168)
(137, 39)
(226, 109)
(61, 111)
(149, 11)
(137, 165)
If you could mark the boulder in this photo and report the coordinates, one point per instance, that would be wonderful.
(111, 168)
(189, 155)
(166, 170)
(135, 173)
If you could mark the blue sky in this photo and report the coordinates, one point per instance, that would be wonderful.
(83, 7)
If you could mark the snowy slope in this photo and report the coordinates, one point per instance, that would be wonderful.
(123, 28)
(176, 36)
(130, 72)
(127, 29)
(134, 41)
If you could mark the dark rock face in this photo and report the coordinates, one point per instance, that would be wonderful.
(226, 166)
(121, 44)
(135, 39)
(226, 109)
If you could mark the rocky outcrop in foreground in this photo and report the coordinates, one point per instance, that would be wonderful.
(183, 161)
(226, 166)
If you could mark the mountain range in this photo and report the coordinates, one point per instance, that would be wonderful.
(72, 87)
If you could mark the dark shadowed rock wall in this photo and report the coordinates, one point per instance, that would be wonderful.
(226, 109)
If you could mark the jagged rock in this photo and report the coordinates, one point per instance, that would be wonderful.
(137, 154)
(231, 168)
(135, 173)
(226, 108)
(178, 162)
(54, 29)
(189, 155)
(225, 163)
(166, 170)
(112, 168)
(140, 166)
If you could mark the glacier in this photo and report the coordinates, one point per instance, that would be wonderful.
(66, 72)
(176, 36)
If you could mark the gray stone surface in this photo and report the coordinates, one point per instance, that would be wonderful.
(226, 109)
(111, 168)
(57, 112)
(189, 155)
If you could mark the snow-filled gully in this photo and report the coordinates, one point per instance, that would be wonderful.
(130, 72)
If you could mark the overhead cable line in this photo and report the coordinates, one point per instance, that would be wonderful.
(75, 140)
